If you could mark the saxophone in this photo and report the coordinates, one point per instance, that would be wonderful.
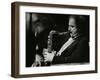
(49, 45)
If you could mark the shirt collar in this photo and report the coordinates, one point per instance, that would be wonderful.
(76, 36)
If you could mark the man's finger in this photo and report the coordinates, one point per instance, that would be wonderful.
(45, 59)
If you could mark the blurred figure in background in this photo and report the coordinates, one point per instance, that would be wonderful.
(36, 38)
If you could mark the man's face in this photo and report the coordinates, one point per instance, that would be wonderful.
(72, 26)
(37, 26)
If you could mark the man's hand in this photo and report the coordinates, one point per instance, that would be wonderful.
(38, 60)
(48, 56)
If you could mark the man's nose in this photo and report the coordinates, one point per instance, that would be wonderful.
(69, 28)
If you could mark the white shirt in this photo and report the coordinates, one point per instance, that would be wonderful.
(66, 45)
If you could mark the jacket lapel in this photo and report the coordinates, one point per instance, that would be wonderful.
(68, 51)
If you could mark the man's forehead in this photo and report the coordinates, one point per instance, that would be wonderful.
(34, 17)
(71, 20)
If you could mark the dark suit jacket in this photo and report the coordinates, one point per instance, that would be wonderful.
(31, 42)
(77, 52)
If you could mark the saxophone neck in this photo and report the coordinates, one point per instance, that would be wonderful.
(57, 32)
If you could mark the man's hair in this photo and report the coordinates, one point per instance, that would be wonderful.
(44, 21)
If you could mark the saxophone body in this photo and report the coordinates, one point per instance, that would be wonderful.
(50, 42)
(49, 47)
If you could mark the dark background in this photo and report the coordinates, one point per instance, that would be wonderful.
(58, 22)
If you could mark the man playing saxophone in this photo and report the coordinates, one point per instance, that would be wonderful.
(76, 47)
